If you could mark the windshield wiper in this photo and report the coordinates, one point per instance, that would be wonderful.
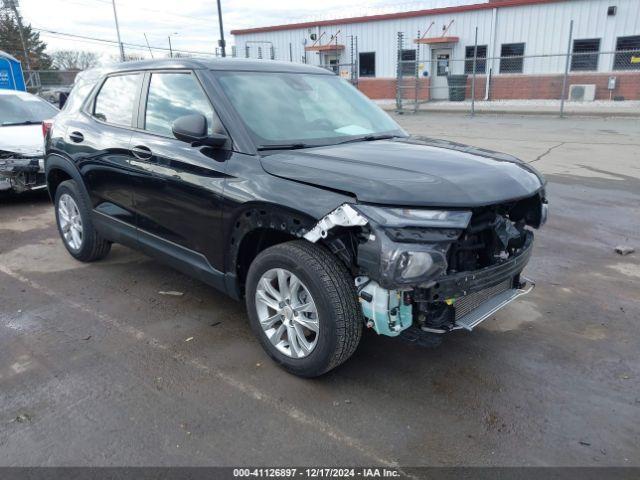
(17, 124)
(370, 138)
(296, 146)
(286, 146)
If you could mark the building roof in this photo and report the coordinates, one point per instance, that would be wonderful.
(228, 64)
(391, 16)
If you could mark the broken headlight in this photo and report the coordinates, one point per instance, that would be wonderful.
(408, 247)
(395, 265)
(416, 217)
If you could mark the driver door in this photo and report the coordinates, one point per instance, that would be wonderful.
(177, 189)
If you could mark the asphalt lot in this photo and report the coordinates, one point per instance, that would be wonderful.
(96, 369)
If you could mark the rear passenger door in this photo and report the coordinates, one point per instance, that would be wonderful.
(177, 188)
(98, 143)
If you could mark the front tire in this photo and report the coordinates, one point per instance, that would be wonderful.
(303, 307)
(73, 217)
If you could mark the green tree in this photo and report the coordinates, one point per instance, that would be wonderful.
(11, 43)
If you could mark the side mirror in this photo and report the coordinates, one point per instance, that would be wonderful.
(193, 129)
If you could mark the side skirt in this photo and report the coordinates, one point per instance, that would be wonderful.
(182, 259)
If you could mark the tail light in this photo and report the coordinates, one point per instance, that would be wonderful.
(47, 125)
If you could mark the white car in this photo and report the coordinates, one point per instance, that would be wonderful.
(21, 140)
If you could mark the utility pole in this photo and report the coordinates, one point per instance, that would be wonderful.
(147, 40)
(11, 4)
(566, 70)
(170, 46)
(221, 42)
(115, 16)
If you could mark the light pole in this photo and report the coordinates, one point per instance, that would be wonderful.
(170, 47)
(221, 42)
(115, 16)
(148, 46)
(11, 4)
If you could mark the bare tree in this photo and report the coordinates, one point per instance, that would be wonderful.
(74, 59)
(129, 57)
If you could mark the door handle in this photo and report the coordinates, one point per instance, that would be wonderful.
(76, 137)
(141, 152)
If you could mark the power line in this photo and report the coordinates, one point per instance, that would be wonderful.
(114, 42)
(163, 12)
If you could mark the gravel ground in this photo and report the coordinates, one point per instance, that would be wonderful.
(96, 368)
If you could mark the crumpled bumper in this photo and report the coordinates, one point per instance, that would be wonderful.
(21, 174)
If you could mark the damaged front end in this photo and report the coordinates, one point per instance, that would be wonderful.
(20, 172)
(436, 270)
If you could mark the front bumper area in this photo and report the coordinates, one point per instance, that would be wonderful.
(489, 307)
(454, 301)
(465, 283)
(22, 174)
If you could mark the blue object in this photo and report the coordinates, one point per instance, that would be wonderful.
(384, 309)
(11, 76)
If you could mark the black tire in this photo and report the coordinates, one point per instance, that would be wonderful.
(333, 290)
(93, 246)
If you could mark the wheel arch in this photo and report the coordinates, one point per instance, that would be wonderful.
(258, 226)
(59, 169)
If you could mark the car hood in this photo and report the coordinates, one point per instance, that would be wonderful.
(416, 171)
(22, 139)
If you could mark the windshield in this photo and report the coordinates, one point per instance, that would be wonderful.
(24, 110)
(299, 110)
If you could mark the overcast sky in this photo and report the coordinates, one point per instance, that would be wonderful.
(192, 24)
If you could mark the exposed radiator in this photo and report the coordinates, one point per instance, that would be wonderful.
(468, 303)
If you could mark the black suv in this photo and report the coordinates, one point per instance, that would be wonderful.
(283, 184)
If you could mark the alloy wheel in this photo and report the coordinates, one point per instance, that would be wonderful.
(287, 313)
(70, 221)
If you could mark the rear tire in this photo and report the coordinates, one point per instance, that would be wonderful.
(331, 288)
(73, 212)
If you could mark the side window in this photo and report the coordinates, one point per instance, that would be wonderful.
(115, 102)
(173, 95)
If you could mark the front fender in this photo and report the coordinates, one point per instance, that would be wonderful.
(254, 216)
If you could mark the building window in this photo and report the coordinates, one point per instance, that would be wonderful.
(627, 53)
(481, 59)
(367, 64)
(582, 59)
(511, 57)
(408, 58)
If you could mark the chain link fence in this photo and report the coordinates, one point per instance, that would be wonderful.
(50, 84)
(339, 58)
(581, 78)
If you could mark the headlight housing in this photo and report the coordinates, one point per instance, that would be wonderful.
(421, 254)
(416, 217)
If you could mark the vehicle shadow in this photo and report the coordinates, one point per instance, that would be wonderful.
(9, 199)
